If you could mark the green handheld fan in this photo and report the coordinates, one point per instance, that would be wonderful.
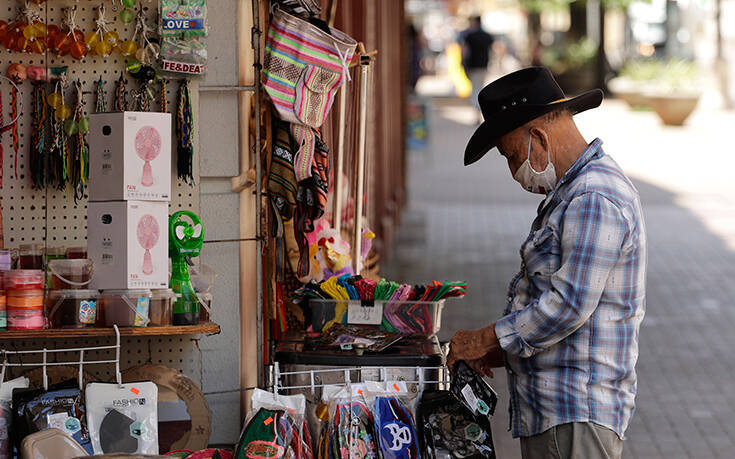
(185, 242)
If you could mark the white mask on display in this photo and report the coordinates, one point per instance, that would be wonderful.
(536, 182)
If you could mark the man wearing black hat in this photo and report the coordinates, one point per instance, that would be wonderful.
(569, 334)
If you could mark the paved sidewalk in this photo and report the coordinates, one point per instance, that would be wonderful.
(468, 223)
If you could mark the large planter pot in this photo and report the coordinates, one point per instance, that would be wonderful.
(673, 109)
(629, 91)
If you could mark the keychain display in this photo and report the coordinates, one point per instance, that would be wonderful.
(123, 418)
(59, 146)
(121, 94)
(61, 407)
(76, 129)
(37, 148)
(71, 39)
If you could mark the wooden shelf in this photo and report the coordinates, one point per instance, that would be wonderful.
(209, 328)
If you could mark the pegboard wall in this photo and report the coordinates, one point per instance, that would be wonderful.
(51, 216)
(24, 208)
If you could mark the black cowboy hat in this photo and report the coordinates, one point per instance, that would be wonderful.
(515, 99)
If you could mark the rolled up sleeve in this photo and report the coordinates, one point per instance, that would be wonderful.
(592, 238)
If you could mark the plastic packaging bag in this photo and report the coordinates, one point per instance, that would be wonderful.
(395, 428)
(456, 423)
(295, 408)
(268, 434)
(183, 18)
(6, 413)
(123, 418)
(60, 407)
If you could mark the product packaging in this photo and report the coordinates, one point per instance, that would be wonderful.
(456, 423)
(130, 156)
(72, 308)
(185, 19)
(6, 413)
(267, 434)
(124, 308)
(128, 242)
(123, 418)
(60, 407)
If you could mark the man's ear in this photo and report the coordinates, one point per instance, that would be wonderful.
(541, 137)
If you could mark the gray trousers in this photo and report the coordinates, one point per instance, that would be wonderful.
(576, 440)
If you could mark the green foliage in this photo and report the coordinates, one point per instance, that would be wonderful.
(573, 56)
(539, 6)
(672, 74)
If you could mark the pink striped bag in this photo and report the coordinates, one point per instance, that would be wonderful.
(304, 66)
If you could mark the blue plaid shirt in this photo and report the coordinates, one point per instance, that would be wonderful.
(570, 329)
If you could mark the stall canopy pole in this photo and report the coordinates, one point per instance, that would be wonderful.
(337, 212)
(258, 191)
(360, 166)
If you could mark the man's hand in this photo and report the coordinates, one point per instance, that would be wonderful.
(485, 364)
(474, 345)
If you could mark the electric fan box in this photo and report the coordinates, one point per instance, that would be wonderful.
(128, 242)
(130, 156)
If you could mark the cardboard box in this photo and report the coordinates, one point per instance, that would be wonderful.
(130, 156)
(128, 242)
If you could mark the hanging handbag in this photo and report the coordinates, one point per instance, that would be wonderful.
(304, 66)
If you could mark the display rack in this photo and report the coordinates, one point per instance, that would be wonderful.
(44, 364)
(208, 328)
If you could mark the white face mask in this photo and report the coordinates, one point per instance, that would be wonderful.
(536, 182)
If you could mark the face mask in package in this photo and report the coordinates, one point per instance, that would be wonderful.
(451, 431)
(473, 391)
(123, 418)
(59, 407)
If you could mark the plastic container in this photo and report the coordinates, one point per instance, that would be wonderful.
(124, 308)
(31, 256)
(417, 318)
(26, 320)
(205, 301)
(23, 279)
(6, 260)
(162, 307)
(71, 274)
(3, 311)
(74, 253)
(72, 308)
(202, 278)
(21, 300)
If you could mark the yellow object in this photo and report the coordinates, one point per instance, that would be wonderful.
(456, 71)
(112, 38)
(127, 48)
(63, 112)
(92, 38)
(103, 48)
(54, 99)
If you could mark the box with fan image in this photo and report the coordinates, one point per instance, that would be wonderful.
(130, 156)
(128, 242)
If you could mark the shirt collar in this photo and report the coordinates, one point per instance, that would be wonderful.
(587, 155)
(593, 150)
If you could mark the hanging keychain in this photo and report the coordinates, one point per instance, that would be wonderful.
(76, 129)
(184, 134)
(17, 73)
(59, 144)
(5, 127)
(163, 101)
(72, 42)
(38, 135)
(102, 40)
(121, 94)
(101, 97)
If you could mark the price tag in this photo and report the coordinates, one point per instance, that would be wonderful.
(365, 315)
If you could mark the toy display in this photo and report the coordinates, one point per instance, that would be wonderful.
(185, 243)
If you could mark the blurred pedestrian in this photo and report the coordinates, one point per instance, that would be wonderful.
(569, 334)
(476, 50)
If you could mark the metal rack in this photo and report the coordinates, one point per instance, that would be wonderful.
(81, 362)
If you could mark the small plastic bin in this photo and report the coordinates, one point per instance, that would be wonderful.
(162, 307)
(415, 318)
(124, 308)
(72, 308)
(205, 301)
(23, 279)
(70, 274)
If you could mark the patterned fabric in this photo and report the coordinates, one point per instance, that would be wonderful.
(282, 179)
(574, 310)
(303, 68)
(311, 201)
(304, 142)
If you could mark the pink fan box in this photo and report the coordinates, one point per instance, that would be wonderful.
(130, 156)
(128, 242)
